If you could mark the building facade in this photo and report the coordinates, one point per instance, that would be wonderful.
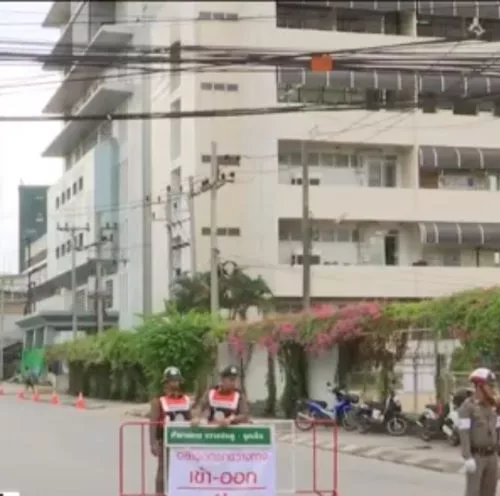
(403, 203)
(32, 219)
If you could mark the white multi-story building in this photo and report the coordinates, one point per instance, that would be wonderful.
(404, 204)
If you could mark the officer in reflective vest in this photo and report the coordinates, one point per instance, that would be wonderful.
(224, 404)
(173, 406)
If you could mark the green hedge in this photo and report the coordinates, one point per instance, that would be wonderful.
(128, 365)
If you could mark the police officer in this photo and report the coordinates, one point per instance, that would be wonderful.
(478, 435)
(172, 406)
(224, 404)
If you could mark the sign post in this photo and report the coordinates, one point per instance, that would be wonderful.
(214, 461)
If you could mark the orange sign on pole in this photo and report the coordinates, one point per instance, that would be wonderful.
(322, 63)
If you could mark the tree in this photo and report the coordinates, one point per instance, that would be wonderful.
(238, 292)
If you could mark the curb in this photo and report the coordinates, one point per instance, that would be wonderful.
(386, 454)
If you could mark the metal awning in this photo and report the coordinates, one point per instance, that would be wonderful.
(459, 8)
(453, 84)
(103, 100)
(442, 8)
(451, 233)
(453, 158)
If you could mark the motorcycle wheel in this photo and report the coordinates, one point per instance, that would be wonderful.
(362, 424)
(424, 432)
(304, 420)
(397, 426)
(348, 421)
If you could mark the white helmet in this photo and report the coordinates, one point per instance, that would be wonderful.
(482, 375)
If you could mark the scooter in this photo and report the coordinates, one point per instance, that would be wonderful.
(382, 414)
(431, 421)
(341, 413)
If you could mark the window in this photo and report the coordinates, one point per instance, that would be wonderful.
(219, 86)
(75, 190)
(451, 258)
(229, 160)
(68, 194)
(428, 103)
(57, 202)
(222, 231)
(80, 240)
(359, 21)
(80, 183)
(68, 246)
(465, 107)
(108, 299)
(206, 86)
(57, 252)
(63, 250)
(63, 198)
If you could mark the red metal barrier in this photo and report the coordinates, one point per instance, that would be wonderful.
(319, 445)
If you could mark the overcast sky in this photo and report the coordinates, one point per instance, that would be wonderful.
(24, 89)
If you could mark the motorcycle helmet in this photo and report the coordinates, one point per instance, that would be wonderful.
(172, 374)
(482, 375)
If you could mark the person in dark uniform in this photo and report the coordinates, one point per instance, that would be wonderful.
(478, 425)
(224, 404)
(173, 406)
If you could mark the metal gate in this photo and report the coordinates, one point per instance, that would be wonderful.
(306, 462)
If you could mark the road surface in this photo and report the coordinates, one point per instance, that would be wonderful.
(56, 451)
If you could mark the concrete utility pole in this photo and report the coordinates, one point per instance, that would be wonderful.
(192, 225)
(214, 250)
(306, 231)
(73, 232)
(170, 243)
(99, 293)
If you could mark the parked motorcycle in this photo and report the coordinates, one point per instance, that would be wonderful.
(342, 411)
(382, 414)
(432, 420)
(450, 425)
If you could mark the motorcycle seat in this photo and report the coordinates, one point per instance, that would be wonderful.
(320, 403)
(376, 405)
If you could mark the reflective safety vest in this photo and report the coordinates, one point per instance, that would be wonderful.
(222, 405)
(176, 408)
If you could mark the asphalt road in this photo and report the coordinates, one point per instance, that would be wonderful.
(56, 451)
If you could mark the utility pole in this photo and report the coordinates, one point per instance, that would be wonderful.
(192, 225)
(306, 231)
(170, 243)
(99, 300)
(214, 251)
(73, 232)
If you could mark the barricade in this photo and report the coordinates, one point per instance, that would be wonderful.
(306, 463)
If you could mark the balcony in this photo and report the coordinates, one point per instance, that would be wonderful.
(390, 204)
(79, 76)
(102, 98)
(379, 281)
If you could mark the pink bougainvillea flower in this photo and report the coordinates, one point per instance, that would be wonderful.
(287, 330)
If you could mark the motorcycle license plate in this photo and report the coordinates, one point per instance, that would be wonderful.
(376, 414)
(447, 430)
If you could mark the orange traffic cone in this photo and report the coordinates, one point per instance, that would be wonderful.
(36, 396)
(21, 395)
(80, 402)
(55, 399)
